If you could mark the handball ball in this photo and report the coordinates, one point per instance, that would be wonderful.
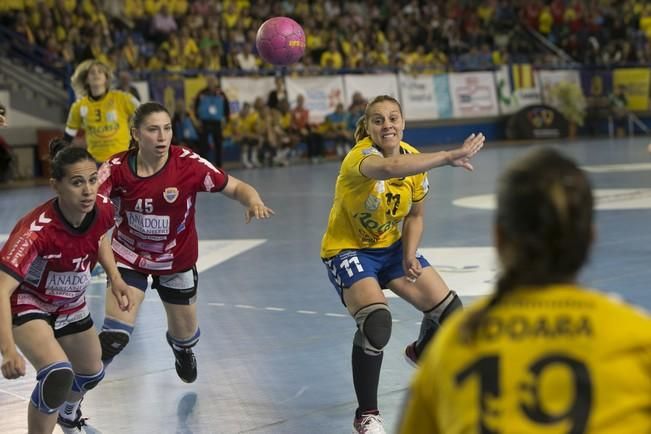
(280, 41)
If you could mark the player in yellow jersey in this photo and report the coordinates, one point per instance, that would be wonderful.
(542, 354)
(381, 186)
(102, 113)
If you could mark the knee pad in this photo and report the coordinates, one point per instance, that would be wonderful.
(432, 319)
(53, 384)
(183, 344)
(84, 383)
(373, 328)
(113, 338)
(445, 308)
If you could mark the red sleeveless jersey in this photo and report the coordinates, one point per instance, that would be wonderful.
(52, 260)
(156, 232)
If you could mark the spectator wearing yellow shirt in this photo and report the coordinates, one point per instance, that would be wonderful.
(230, 15)
(545, 21)
(189, 49)
(243, 128)
(331, 58)
(131, 52)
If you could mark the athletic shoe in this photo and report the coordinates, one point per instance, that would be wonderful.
(186, 364)
(72, 426)
(410, 354)
(368, 424)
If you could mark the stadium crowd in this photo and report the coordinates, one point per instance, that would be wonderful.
(182, 35)
(209, 37)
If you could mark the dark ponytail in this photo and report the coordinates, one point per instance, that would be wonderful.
(62, 155)
(139, 116)
(543, 222)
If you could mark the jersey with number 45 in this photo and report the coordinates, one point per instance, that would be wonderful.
(53, 260)
(156, 231)
(555, 360)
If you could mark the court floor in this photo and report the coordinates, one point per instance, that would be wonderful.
(274, 354)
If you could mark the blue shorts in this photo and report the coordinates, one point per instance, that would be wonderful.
(384, 265)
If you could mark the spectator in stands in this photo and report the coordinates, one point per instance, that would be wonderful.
(131, 52)
(331, 58)
(278, 94)
(245, 135)
(5, 151)
(102, 113)
(124, 84)
(336, 129)
(162, 24)
(245, 59)
(305, 131)
(619, 109)
(185, 132)
(211, 109)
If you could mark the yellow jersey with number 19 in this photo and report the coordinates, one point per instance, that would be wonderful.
(105, 122)
(366, 212)
(555, 360)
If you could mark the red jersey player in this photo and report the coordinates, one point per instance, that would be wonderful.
(44, 272)
(155, 186)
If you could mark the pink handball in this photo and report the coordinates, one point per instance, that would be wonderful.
(280, 41)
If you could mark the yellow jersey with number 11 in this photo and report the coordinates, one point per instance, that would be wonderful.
(366, 212)
(554, 360)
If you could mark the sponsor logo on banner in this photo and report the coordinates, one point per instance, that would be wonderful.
(322, 94)
(536, 122)
(418, 97)
(473, 94)
(149, 224)
(170, 194)
(635, 82)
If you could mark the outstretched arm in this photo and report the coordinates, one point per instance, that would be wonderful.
(249, 198)
(403, 165)
(13, 364)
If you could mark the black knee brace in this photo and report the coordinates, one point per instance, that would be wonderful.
(433, 318)
(373, 328)
(113, 342)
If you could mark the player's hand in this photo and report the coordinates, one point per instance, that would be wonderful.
(412, 268)
(258, 211)
(3, 121)
(461, 157)
(122, 293)
(13, 365)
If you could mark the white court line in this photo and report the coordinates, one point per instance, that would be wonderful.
(245, 306)
(216, 304)
(307, 312)
(338, 315)
(22, 398)
(275, 309)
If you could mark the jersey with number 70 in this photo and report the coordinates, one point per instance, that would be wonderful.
(156, 231)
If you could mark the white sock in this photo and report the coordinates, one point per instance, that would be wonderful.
(68, 410)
